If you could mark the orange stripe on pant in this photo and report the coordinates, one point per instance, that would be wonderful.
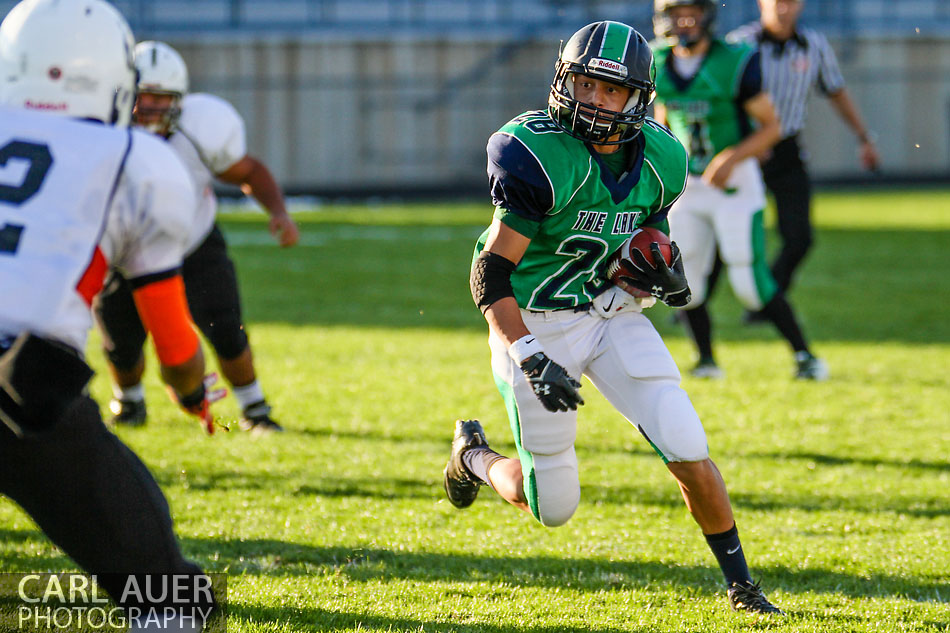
(164, 312)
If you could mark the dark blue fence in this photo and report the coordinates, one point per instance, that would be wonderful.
(430, 18)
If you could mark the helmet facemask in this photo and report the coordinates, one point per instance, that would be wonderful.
(589, 123)
(665, 28)
(157, 119)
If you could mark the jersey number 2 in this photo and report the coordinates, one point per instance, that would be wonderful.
(40, 160)
(586, 254)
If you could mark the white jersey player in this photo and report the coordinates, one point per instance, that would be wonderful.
(67, 216)
(209, 136)
(210, 139)
(80, 192)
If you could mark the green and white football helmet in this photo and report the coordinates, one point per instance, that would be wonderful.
(609, 51)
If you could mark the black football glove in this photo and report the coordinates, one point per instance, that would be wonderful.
(666, 283)
(553, 386)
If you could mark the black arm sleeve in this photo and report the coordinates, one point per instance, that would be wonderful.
(491, 279)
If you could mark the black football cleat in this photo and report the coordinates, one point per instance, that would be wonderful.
(460, 485)
(128, 412)
(748, 596)
(257, 421)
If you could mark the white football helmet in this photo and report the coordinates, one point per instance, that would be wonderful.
(162, 71)
(69, 57)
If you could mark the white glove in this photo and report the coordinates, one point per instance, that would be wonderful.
(615, 300)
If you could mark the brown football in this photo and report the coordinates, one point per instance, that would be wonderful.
(620, 265)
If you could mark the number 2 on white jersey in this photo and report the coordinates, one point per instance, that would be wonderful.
(40, 160)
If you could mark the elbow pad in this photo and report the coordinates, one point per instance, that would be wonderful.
(491, 279)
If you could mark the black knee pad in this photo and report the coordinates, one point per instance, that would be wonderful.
(227, 337)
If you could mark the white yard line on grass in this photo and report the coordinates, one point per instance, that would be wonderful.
(259, 236)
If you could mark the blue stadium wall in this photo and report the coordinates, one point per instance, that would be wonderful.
(368, 97)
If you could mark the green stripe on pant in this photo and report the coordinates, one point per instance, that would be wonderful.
(527, 459)
(764, 282)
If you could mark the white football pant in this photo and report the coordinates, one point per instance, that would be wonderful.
(627, 361)
(705, 217)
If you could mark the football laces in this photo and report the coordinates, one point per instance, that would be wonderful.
(613, 267)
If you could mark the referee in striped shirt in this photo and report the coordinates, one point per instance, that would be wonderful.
(795, 61)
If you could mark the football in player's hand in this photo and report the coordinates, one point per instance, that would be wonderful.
(620, 265)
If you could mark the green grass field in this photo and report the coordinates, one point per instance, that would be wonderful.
(369, 347)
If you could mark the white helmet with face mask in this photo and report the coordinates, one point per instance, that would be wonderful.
(68, 57)
(162, 71)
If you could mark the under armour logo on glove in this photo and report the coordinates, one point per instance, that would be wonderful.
(541, 390)
(551, 383)
(666, 283)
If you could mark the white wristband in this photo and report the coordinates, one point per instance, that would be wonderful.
(525, 347)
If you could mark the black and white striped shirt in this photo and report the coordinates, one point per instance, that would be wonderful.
(790, 70)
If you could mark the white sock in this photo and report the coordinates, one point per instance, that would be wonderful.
(248, 394)
(135, 393)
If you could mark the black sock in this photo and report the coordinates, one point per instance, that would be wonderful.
(728, 551)
(700, 326)
(779, 312)
(478, 460)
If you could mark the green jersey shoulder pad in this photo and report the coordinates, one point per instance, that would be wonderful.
(737, 54)
(722, 53)
(563, 159)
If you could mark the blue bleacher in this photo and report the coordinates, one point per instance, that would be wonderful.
(428, 18)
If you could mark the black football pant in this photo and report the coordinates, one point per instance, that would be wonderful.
(211, 288)
(786, 177)
(93, 497)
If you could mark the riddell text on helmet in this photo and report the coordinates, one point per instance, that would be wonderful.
(54, 107)
(605, 64)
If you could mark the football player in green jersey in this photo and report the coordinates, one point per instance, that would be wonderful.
(570, 185)
(710, 94)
